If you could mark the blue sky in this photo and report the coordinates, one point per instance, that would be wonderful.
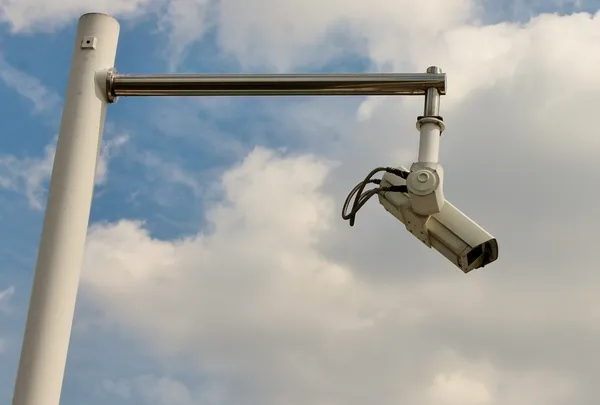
(166, 160)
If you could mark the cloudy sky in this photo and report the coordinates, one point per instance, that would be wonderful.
(218, 270)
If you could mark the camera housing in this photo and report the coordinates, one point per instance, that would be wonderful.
(450, 232)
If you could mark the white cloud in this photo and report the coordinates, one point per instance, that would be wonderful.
(170, 173)
(45, 16)
(5, 297)
(286, 34)
(29, 87)
(302, 32)
(153, 390)
(30, 175)
(457, 389)
(164, 391)
(185, 22)
(311, 294)
(120, 388)
(459, 381)
(257, 306)
(108, 150)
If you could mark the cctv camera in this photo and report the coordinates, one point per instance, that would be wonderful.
(450, 232)
(416, 198)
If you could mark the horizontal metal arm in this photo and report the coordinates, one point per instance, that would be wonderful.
(402, 84)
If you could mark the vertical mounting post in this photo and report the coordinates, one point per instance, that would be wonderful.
(60, 256)
(432, 97)
(426, 178)
(430, 124)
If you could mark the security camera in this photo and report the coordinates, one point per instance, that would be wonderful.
(450, 232)
(416, 198)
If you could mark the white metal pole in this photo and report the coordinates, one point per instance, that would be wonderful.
(430, 125)
(429, 142)
(60, 256)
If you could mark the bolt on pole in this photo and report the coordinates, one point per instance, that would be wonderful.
(93, 83)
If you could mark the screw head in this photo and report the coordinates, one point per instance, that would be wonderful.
(423, 177)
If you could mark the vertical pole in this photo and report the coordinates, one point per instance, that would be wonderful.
(432, 97)
(60, 256)
(430, 126)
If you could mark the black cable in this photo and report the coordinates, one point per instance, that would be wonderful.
(359, 201)
(358, 190)
(361, 196)
(398, 172)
